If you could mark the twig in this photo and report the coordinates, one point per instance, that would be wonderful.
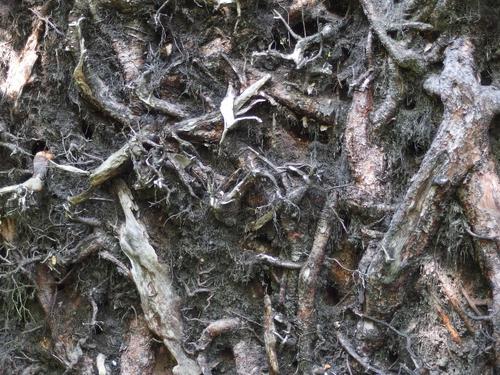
(362, 361)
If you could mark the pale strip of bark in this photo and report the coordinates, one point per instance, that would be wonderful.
(159, 300)
(366, 159)
(270, 337)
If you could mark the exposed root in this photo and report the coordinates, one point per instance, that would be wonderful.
(159, 301)
(95, 91)
(269, 337)
(480, 198)
(273, 261)
(231, 104)
(377, 12)
(161, 105)
(308, 280)
(322, 109)
(302, 45)
(457, 148)
(111, 167)
(36, 182)
(386, 111)
(366, 171)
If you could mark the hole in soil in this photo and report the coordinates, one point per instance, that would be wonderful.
(430, 36)
(393, 34)
(486, 78)
(438, 67)
(331, 296)
(409, 103)
(340, 7)
(495, 124)
(280, 43)
(87, 129)
(322, 136)
(417, 149)
(310, 28)
(98, 329)
(343, 90)
(346, 52)
(147, 146)
(38, 146)
(494, 134)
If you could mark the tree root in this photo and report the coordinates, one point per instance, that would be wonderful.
(161, 105)
(404, 57)
(303, 43)
(94, 90)
(269, 337)
(159, 301)
(308, 280)
(36, 182)
(458, 149)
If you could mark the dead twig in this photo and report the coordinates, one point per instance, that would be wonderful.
(362, 361)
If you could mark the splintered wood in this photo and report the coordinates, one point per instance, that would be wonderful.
(21, 65)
